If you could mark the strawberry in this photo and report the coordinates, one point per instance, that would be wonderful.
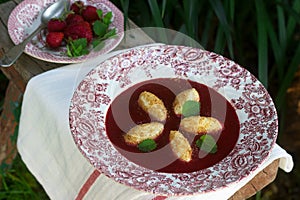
(56, 25)
(74, 19)
(89, 13)
(54, 39)
(80, 30)
(76, 7)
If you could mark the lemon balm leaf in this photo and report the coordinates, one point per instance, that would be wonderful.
(109, 34)
(77, 47)
(100, 28)
(95, 43)
(191, 108)
(98, 45)
(107, 18)
(100, 13)
(147, 145)
(207, 144)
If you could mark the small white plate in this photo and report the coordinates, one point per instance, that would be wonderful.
(24, 19)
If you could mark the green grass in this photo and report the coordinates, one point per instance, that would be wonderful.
(2, 1)
(18, 183)
(262, 42)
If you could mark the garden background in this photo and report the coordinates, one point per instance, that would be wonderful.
(261, 35)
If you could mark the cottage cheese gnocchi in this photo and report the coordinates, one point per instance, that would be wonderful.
(142, 132)
(200, 125)
(182, 97)
(180, 146)
(152, 105)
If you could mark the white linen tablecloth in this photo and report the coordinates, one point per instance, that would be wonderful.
(46, 145)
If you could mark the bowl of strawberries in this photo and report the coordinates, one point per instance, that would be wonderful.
(85, 30)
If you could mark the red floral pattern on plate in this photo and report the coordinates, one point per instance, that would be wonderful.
(254, 107)
(24, 19)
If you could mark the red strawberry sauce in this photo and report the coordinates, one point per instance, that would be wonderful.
(124, 113)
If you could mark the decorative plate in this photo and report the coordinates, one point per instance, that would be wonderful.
(258, 125)
(24, 19)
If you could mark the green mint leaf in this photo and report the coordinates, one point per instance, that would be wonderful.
(100, 28)
(85, 51)
(109, 34)
(191, 108)
(98, 44)
(77, 47)
(207, 144)
(80, 42)
(100, 13)
(69, 52)
(107, 18)
(147, 145)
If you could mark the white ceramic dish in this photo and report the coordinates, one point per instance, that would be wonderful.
(24, 19)
(254, 108)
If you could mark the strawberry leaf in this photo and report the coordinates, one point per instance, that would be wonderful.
(100, 13)
(77, 47)
(100, 28)
(191, 108)
(147, 145)
(107, 18)
(69, 51)
(207, 144)
(98, 44)
(109, 34)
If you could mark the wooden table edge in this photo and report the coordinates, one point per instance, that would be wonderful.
(261, 180)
